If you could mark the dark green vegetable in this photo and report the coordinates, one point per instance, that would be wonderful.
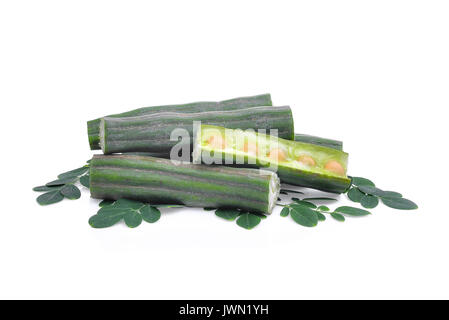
(157, 180)
(248, 221)
(84, 180)
(228, 214)
(285, 212)
(329, 143)
(338, 216)
(63, 186)
(71, 192)
(296, 163)
(50, 197)
(351, 211)
(303, 215)
(369, 201)
(399, 203)
(364, 191)
(132, 212)
(152, 133)
(93, 126)
(354, 194)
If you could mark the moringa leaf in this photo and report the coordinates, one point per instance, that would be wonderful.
(132, 219)
(85, 181)
(128, 204)
(392, 194)
(228, 214)
(71, 192)
(369, 202)
(45, 188)
(248, 221)
(359, 181)
(305, 203)
(323, 208)
(372, 191)
(50, 197)
(106, 202)
(112, 211)
(285, 212)
(319, 199)
(60, 182)
(74, 173)
(304, 215)
(150, 214)
(355, 195)
(399, 203)
(108, 217)
(351, 211)
(338, 216)
(321, 217)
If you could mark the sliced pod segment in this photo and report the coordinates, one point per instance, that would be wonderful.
(153, 133)
(93, 126)
(296, 163)
(156, 180)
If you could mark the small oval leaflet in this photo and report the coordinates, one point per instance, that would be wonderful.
(50, 197)
(321, 217)
(351, 211)
(369, 201)
(71, 192)
(133, 219)
(399, 203)
(228, 214)
(45, 188)
(355, 195)
(338, 216)
(248, 221)
(285, 212)
(304, 216)
(392, 194)
(150, 214)
(84, 180)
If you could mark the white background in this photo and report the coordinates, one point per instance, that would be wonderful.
(372, 73)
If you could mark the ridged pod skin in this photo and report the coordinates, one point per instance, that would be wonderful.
(151, 133)
(93, 126)
(156, 180)
(324, 142)
(296, 163)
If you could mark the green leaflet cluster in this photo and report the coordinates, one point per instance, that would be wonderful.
(64, 186)
(132, 212)
(245, 219)
(307, 214)
(365, 192)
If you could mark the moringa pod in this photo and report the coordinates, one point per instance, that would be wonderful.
(152, 133)
(325, 142)
(93, 126)
(296, 163)
(156, 180)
